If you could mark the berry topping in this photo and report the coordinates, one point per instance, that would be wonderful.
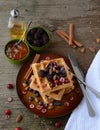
(30, 98)
(58, 103)
(40, 103)
(49, 77)
(36, 93)
(47, 58)
(52, 85)
(51, 64)
(44, 110)
(66, 104)
(42, 73)
(24, 92)
(31, 105)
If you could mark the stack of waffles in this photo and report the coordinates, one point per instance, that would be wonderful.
(52, 79)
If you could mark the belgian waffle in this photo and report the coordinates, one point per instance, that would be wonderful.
(55, 81)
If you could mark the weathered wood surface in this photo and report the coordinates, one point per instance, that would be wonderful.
(85, 15)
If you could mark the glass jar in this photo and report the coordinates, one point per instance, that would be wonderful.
(16, 25)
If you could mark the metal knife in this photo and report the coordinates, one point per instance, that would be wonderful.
(78, 73)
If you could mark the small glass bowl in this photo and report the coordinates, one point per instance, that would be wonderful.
(38, 38)
(16, 53)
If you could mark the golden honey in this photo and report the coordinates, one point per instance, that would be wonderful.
(17, 31)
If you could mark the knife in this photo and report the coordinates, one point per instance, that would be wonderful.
(78, 74)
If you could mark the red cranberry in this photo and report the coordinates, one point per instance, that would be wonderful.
(56, 81)
(7, 112)
(17, 128)
(57, 124)
(9, 86)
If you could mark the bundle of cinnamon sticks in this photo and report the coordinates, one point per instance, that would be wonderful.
(68, 38)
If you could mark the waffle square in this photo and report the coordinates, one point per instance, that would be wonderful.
(52, 79)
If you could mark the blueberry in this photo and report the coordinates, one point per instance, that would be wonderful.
(40, 103)
(58, 67)
(36, 93)
(63, 73)
(27, 82)
(46, 70)
(51, 64)
(30, 98)
(49, 77)
(42, 73)
(58, 103)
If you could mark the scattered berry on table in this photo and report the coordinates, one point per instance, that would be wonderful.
(57, 124)
(17, 128)
(7, 112)
(9, 86)
(6, 117)
(9, 99)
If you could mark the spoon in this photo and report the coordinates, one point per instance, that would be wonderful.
(28, 25)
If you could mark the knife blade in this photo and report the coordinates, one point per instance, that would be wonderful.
(78, 73)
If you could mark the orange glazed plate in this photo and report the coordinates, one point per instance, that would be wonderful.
(68, 103)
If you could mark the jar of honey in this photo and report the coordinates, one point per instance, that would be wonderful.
(16, 25)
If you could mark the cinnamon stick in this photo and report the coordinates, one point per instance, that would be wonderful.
(61, 33)
(65, 35)
(29, 72)
(71, 27)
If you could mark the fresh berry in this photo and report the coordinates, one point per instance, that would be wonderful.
(9, 86)
(30, 98)
(57, 124)
(66, 81)
(51, 64)
(47, 70)
(7, 112)
(36, 93)
(17, 128)
(62, 80)
(47, 58)
(56, 81)
(42, 73)
(6, 117)
(52, 85)
(40, 103)
(58, 103)
(9, 99)
(63, 73)
(49, 77)
(24, 92)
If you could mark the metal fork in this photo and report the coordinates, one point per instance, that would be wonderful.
(97, 94)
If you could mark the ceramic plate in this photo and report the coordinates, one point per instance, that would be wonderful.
(68, 103)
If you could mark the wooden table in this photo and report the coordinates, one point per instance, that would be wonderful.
(85, 15)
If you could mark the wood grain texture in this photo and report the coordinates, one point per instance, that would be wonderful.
(85, 15)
